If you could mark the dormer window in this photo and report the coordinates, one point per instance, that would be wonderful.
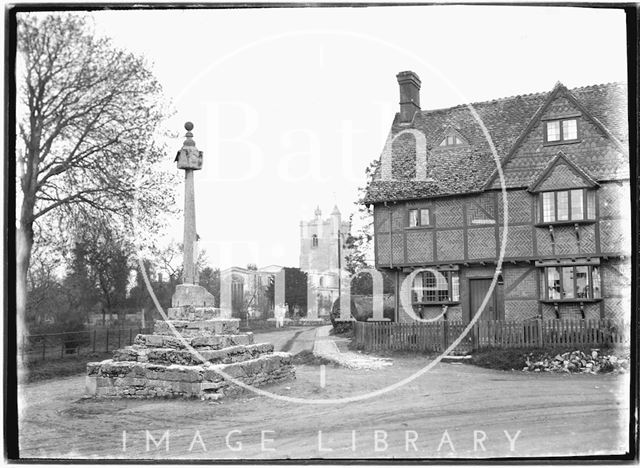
(561, 130)
(568, 205)
(452, 140)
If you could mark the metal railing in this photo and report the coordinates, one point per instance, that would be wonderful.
(69, 344)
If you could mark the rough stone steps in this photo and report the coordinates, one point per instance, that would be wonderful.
(191, 328)
(168, 356)
(135, 379)
(199, 341)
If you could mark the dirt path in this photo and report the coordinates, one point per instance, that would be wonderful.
(290, 339)
(555, 414)
(326, 347)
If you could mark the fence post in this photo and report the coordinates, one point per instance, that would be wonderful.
(44, 347)
(62, 348)
(119, 337)
(540, 333)
(475, 335)
(94, 340)
(107, 346)
(445, 343)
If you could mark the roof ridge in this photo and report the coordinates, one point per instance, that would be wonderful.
(515, 96)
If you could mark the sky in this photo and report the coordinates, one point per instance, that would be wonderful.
(291, 105)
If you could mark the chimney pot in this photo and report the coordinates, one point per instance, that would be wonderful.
(409, 84)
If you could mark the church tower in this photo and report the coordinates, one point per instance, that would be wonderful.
(322, 253)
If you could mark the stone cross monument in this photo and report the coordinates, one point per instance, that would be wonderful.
(192, 353)
(189, 158)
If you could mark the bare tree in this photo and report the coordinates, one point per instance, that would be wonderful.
(87, 117)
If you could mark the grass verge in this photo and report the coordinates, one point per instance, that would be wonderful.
(307, 357)
(55, 368)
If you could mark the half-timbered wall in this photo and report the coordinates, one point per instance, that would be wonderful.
(466, 230)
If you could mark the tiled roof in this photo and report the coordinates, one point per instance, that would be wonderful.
(466, 169)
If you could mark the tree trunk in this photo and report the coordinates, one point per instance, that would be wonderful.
(24, 243)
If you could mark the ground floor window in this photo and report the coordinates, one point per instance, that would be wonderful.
(435, 286)
(568, 283)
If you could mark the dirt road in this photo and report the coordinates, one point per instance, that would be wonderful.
(290, 339)
(554, 414)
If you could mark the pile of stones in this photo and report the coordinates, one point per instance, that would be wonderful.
(577, 362)
(189, 356)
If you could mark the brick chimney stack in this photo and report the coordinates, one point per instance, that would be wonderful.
(409, 95)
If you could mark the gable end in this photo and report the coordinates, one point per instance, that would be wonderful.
(561, 173)
(558, 91)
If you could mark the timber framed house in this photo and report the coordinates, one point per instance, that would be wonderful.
(438, 205)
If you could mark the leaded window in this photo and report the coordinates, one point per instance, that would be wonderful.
(568, 205)
(435, 286)
(570, 283)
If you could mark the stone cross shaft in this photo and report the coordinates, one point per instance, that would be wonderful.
(189, 228)
(190, 159)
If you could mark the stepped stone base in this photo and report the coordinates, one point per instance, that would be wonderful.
(182, 357)
(190, 328)
(148, 380)
(192, 294)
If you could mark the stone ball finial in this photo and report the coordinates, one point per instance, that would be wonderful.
(188, 126)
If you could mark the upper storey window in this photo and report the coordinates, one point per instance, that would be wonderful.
(568, 205)
(561, 130)
(419, 217)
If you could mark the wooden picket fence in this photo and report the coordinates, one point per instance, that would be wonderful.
(438, 336)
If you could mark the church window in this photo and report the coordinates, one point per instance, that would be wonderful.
(314, 241)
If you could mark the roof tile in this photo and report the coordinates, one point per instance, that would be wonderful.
(466, 169)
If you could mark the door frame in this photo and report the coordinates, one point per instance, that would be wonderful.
(498, 297)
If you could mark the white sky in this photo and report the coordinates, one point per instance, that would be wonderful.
(291, 105)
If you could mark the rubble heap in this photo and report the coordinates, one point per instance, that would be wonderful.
(576, 362)
(162, 365)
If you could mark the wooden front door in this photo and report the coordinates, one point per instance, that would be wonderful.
(478, 289)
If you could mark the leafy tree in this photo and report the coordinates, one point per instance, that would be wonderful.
(108, 256)
(360, 246)
(80, 290)
(295, 289)
(138, 296)
(87, 116)
(46, 295)
(210, 280)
